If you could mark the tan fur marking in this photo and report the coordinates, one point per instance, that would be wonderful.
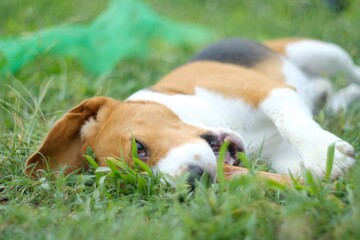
(279, 45)
(271, 68)
(228, 80)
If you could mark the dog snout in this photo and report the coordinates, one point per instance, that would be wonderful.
(236, 145)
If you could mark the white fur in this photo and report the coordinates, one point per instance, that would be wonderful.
(190, 109)
(177, 161)
(318, 58)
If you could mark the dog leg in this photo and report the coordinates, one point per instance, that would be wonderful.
(285, 159)
(235, 171)
(341, 99)
(321, 58)
(294, 122)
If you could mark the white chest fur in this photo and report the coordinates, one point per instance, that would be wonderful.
(211, 110)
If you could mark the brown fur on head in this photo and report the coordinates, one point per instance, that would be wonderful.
(107, 126)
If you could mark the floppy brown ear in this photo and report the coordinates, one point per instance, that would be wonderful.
(62, 146)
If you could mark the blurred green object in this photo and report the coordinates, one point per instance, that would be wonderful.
(125, 29)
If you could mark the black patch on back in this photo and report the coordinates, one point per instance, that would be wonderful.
(238, 51)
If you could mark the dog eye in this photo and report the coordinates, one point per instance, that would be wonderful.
(141, 151)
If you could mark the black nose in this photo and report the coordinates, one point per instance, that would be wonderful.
(195, 174)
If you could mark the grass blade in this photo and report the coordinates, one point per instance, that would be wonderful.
(329, 161)
(143, 166)
(220, 167)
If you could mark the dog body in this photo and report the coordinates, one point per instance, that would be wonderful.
(250, 95)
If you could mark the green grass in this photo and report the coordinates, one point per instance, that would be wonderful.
(86, 207)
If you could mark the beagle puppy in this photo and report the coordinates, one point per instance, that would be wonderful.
(251, 95)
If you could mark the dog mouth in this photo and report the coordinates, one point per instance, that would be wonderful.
(234, 146)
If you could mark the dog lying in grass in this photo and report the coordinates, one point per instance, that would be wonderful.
(247, 94)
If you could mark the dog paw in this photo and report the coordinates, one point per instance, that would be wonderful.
(315, 159)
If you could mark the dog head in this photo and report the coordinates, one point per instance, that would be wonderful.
(163, 141)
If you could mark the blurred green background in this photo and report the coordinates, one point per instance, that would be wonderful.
(254, 19)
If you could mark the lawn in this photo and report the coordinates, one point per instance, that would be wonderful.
(82, 207)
